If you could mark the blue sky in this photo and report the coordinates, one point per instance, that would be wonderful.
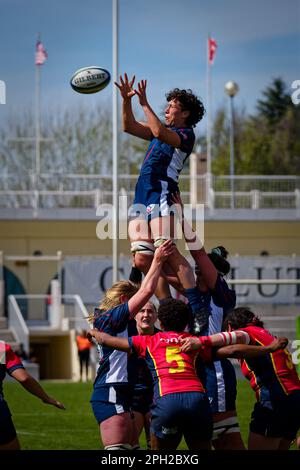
(161, 40)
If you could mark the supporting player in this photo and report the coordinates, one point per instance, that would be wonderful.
(111, 396)
(219, 376)
(10, 363)
(276, 416)
(139, 375)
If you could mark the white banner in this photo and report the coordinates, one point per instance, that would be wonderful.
(89, 277)
(266, 267)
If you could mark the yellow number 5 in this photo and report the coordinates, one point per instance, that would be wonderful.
(173, 355)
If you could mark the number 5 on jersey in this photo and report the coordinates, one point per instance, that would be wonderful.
(173, 354)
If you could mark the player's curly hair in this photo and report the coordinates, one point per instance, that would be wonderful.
(240, 318)
(174, 315)
(189, 102)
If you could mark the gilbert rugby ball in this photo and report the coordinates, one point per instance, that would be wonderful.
(90, 79)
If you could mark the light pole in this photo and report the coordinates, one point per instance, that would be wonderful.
(115, 242)
(231, 88)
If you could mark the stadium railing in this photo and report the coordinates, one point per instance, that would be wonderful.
(16, 323)
(57, 190)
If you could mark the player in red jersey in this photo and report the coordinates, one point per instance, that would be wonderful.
(276, 416)
(219, 376)
(180, 402)
(10, 363)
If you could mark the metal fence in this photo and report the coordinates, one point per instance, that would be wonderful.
(55, 191)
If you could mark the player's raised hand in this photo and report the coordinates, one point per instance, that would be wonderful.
(141, 92)
(126, 87)
(165, 250)
(189, 343)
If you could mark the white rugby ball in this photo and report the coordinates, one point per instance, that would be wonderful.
(90, 79)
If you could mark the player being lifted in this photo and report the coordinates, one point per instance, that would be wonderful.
(171, 143)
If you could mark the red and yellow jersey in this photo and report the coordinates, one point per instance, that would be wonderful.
(273, 375)
(173, 371)
(9, 362)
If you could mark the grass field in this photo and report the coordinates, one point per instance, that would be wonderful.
(43, 427)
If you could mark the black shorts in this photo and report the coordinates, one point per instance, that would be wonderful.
(7, 428)
(278, 418)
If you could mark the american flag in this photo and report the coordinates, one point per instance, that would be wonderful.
(40, 54)
(212, 47)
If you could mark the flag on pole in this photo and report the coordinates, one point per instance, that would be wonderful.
(40, 54)
(212, 47)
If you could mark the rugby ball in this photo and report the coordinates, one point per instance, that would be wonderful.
(90, 79)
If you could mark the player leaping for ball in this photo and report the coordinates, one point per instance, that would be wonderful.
(171, 143)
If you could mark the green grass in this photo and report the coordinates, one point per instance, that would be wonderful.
(43, 427)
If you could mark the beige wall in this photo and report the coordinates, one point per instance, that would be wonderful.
(54, 354)
(79, 238)
(250, 238)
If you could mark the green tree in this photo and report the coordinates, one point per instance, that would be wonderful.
(267, 143)
(275, 103)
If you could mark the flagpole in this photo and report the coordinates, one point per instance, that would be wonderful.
(37, 121)
(208, 127)
(115, 241)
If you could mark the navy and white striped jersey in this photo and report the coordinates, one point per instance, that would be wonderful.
(113, 364)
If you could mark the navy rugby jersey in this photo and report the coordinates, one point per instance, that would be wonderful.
(223, 299)
(113, 364)
(139, 375)
(220, 375)
(165, 161)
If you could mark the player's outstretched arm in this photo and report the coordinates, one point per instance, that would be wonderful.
(121, 344)
(150, 281)
(219, 339)
(248, 351)
(158, 129)
(195, 245)
(130, 125)
(32, 386)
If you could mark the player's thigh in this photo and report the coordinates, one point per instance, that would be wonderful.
(162, 227)
(139, 229)
(117, 429)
